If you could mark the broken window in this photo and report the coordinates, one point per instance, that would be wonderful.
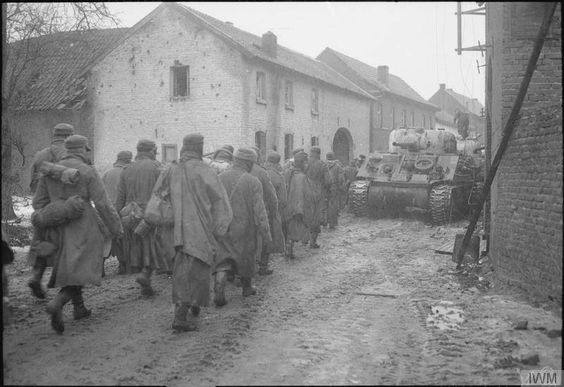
(289, 95)
(180, 76)
(261, 86)
(288, 145)
(170, 153)
(314, 101)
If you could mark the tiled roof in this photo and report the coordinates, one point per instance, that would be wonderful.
(396, 85)
(285, 57)
(52, 80)
(472, 105)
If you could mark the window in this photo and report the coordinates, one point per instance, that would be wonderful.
(402, 119)
(424, 121)
(260, 142)
(314, 141)
(180, 76)
(261, 87)
(288, 145)
(413, 119)
(379, 117)
(289, 95)
(393, 117)
(170, 152)
(314, 101)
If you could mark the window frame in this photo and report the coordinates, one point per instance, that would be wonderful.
(288, 145)
(164, 153)
(174, 70)
(289, 96)
(315, 101)
(260, 87)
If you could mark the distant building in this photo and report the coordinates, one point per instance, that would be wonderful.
(179, 71)
(397, 105)
(450, 102)
(526, 197)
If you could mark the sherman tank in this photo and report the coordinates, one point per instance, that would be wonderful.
(425, 170)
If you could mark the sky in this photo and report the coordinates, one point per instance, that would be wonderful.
(416, 40)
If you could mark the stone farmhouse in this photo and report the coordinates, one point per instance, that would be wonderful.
(526, 195)
(179, 71)
(397, 105)
(450, 101)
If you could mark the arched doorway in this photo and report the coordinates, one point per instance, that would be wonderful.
(343, 145)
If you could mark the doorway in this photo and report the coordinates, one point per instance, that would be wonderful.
(343, 146)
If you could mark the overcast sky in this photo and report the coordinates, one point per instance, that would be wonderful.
(415, 39)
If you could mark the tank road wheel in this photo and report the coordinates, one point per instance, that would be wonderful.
(440, 204)
(358, 197)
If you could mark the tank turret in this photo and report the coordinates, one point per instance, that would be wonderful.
(422, 140)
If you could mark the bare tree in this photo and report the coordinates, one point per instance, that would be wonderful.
(22, 23)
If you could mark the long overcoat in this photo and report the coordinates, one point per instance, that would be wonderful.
(319, 181)
(250, 220)
(111, 181)
(337, 179)
(277, 179)
(78, 259)
(136, 185)
(297, 224)
(270, 202)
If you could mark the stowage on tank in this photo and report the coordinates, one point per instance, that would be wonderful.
(425, 170)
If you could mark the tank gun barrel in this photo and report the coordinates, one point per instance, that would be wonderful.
(405, 144)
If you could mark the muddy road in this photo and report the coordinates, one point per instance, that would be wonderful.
(374, 305)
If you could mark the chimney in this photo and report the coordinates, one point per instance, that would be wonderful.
(269, 44)
(442, 86)
(383, 74)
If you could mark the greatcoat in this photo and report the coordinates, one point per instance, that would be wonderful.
(78, 260)
(270, 202)
(297, 224)
(277, 179)
(337, 180)
(111, 181)
(319, 181)
(250, 224)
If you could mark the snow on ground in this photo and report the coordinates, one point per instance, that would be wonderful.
(23, 209)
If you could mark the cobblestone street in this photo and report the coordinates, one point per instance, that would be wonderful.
(374, 305)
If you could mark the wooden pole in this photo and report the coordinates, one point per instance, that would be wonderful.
(508, 129)
(459, 26)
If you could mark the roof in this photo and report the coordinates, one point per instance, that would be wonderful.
(285, 57)
(470, 104)
(395, 85)
(53, 79)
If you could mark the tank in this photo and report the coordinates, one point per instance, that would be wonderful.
(425, 170)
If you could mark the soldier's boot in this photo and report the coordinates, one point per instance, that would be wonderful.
(37, 274)
(55, 308)
(313, 240)
(79, 310)
(248, 288)
(144, 279)
(182, 322)
(219, 288)
(263, 264)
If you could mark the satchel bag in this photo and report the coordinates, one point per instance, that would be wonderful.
(59, 212)
(159, 211)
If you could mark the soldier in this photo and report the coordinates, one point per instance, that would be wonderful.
(290, 162)
(111, 180)
(274, 171)
(337, 175)
(249, 228)
(134, 191)
(317, 174)
(52, 153)
(202, 213)
(79, 243)
(222, 159)
(295, 212)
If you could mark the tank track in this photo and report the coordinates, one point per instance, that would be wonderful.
(358, 197)
(440, 204)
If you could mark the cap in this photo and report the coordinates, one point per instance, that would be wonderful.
(300, 156)
(75, 141)
(315, 149)
(125, 155)
(330, 156)
(146, 145)
(228, 148)
(245, 154)
(273, 156)
(63, 129)
(298, 150)
(193, 139)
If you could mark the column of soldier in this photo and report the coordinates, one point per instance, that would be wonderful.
(231, 212)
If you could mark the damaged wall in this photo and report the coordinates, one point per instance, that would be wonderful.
(526, 198)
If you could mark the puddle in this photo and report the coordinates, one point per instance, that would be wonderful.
(445, 316)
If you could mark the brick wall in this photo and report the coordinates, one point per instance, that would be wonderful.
(526, 213)
(131, 91)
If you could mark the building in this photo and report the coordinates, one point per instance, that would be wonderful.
(397, 105)
(179, 71)
(526, 195)
(450, 102)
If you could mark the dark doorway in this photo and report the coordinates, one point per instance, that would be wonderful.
(342, 146)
